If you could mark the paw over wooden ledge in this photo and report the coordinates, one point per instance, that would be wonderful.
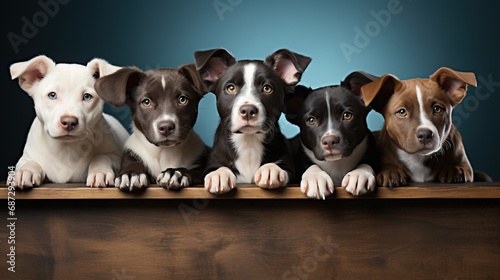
(422, 231)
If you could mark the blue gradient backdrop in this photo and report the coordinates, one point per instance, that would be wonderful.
(406, 38)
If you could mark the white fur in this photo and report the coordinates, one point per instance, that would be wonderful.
(426, 123)
(89, 153)
(163, 83)
(220, 181)
(415, 164)
(250, 150)
(356, 178)
(158, 158)
(247, 96)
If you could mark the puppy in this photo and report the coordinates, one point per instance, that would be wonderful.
(71, 140)
(163, 148)
(248, 145)
(419, 142)
(335, 146)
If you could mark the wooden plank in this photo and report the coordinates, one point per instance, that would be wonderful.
(256, 239)
(416, 191)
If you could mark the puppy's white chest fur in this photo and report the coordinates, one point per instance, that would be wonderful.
(157, 158)
(250, 150)
(415, 164)
(339, 168)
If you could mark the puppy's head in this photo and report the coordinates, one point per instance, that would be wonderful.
(164, 102)
(250, 93)
(417, 112)
(64, 96)
(332, 119)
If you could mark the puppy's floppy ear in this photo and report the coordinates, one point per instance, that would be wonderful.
(194, 78)
(100, 68)
(211, 64)
(32, 71)
(454, 82)
(294, 103)
(288, 65)
(354, 81)
(115, 88)
(377, 93)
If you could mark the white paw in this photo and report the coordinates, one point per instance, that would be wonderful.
(359, 181)
(316, 183)
(172, 179)
(27, 178)
(220, 181)
(131, 182)
(270, 176)
(100, 178)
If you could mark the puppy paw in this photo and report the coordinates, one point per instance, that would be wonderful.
(100, 178)
(393, 177)
(270, 176)
(25, 178)
(220, 181)
(359, 181)
(316, 183)
(131, 182)
(455, 174)
(174, 178)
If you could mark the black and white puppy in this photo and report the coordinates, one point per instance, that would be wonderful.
(248, 145)
(335, 146)
(163, 148)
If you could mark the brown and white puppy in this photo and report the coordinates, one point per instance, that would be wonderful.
(419, 142)
(163, 148)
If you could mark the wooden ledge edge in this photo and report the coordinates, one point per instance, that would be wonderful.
(249, 191)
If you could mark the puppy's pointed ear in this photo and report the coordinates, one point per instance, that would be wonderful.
(100, 68)
(211, 64)
(354, 81)
(294, 103)
(288, 65)
(115, 88)
(377, 93)
(32, 71)
(193, 77)
(454, 82)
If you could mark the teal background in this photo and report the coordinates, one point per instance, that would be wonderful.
(417, 39)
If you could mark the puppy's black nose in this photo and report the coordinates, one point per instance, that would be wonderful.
(166, 127)
(424, 135)
(328, 142)
(69, 122)
(248, 112)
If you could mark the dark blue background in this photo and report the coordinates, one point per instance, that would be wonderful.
(417, 39)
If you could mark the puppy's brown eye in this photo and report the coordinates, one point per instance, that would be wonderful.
(183, 100)
(347, 116)
(231, 89)
(437, 109)
(402, 113)
(312, 121)
(267, 89)
(146, 103)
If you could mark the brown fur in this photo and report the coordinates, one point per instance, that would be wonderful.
(444, 90)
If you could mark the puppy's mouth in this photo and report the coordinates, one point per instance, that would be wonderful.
(332, 155)
(167, 143)
(67, 138)
(248, 129)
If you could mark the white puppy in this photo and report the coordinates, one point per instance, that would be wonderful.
(70, 140)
